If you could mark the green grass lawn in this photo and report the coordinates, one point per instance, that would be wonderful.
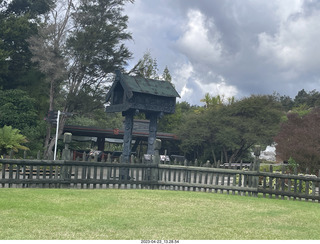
(51, 214)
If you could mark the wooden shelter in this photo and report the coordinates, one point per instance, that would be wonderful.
(134, 94)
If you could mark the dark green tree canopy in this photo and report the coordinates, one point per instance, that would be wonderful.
(231, 129)
(32, 7)
(19, 20)
(17, 109)
(95, 50)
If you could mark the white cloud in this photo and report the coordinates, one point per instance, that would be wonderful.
(192, 88)
(203, 51)
(217, 87)
(180, 79)
(295, 47)
(186, 93)
(195, 41)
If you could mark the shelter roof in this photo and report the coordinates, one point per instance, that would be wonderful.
(150, 86)
(140, 84)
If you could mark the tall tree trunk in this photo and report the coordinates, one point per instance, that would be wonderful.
(46, 141)
(225, 155)
(48, 135)
(214, 157)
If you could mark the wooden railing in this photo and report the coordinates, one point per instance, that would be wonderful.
(289, 186)
(192, 178)
(146, 174)
(76, 174)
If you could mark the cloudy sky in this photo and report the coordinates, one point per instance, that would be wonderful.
(230, 47)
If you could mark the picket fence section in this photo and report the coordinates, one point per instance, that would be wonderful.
(146, 174)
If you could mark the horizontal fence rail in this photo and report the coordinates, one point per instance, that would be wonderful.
(207, 179)
(150, 175)
(76, 174)
(289, 186)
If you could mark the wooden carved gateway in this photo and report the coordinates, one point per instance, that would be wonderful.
(134, 94)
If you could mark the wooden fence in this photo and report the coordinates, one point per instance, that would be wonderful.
(146, 174)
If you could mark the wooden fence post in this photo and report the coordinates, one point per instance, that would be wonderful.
(307, 186)
(270, 181)
(295, 182)
(256, 167)
(66, 155)
(156, 161)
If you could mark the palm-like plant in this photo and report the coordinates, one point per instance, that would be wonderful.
(11, 139)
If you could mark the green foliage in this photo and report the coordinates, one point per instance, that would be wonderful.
(166, 74)
(11, 139)
(292, 164)
(78, 49)
(17, 109)
(35, 136)
(147, 67)
(266, 168)
(231, 129)
(301, 110)
(99, 119)
(20, 111)
(212, 101)
(31, 7)
(18, 22)
(286, 102)
(194, 133)
(171, 122)
(309, 99)
(98, 46)
(94, 51)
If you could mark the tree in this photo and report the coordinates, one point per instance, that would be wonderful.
(166, 75)
(250, 121)
(213, 101)
(147, 67)
(11, 139)
(301, 98)
(299, 138)
(88, 41)
(310, 99)
(287, 102)
(17, 109)
(47, 48)
(194, 133)
(170, 122)
(233, 129)
(18, 21)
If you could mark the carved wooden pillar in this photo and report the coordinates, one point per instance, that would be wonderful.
(152, 132)
(127, 138)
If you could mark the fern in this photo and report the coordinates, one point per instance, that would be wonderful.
(11, 139)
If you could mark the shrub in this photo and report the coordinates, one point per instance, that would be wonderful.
(11, 139)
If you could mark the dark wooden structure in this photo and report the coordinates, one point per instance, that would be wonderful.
(134, 94)
(138, 134)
